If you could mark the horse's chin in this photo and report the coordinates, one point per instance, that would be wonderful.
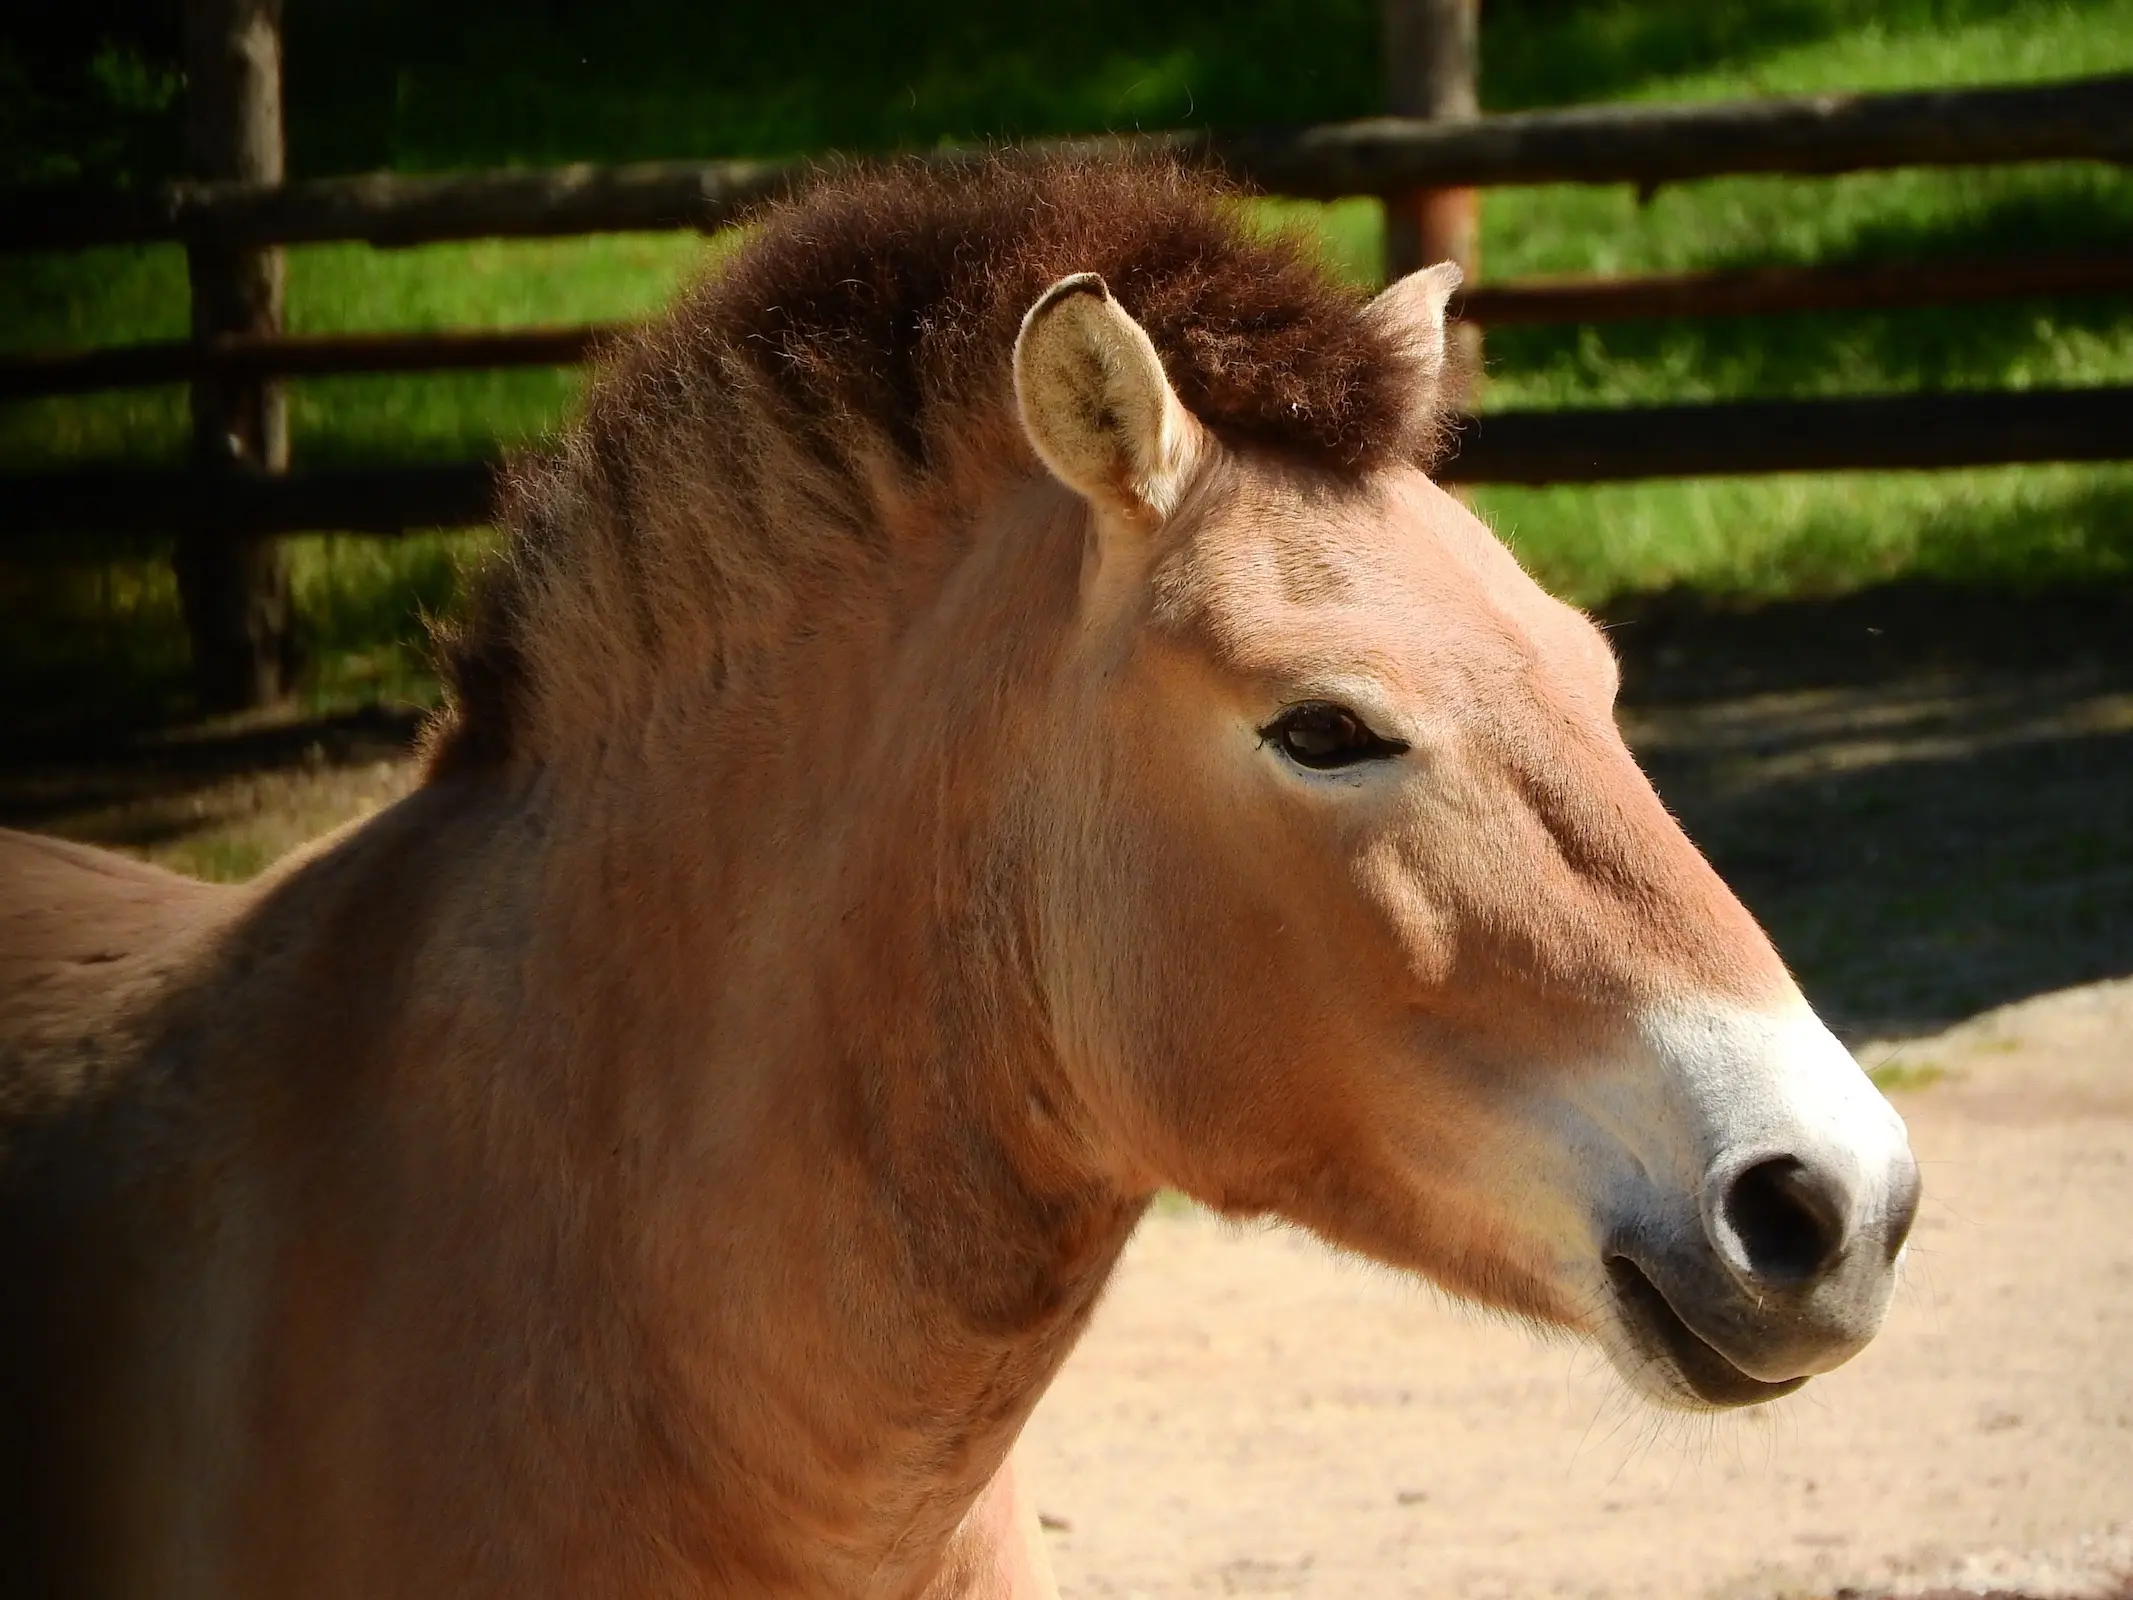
(1665, 1360)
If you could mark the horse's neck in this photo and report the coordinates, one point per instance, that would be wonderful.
(861, 1243)
(819, 1185)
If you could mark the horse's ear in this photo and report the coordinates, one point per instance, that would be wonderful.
(1095, 402)
(1411, 310)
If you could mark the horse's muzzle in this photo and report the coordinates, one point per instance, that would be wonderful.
(1793, 1269)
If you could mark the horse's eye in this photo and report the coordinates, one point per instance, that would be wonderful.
(1322, 736)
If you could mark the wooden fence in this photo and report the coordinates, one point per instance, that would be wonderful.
(2086, 120)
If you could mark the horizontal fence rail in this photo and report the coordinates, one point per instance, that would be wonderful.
(1785, 290)
(39, 375)
(1808, 135)
(1528, 447)
(2083, 119)
(133, 501)
(1875, 432)
(1518, 303)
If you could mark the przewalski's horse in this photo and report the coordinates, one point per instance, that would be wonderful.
(985, 718)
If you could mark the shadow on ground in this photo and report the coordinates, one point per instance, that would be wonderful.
(1926, 795)
(219, 800)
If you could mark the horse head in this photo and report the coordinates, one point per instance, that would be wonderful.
(1358, 910)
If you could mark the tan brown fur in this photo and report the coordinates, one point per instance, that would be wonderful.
(671, 1152)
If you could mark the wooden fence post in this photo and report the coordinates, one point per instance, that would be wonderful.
(238, 607)
(1432, 70)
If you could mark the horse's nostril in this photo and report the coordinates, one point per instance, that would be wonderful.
(1789, 1219)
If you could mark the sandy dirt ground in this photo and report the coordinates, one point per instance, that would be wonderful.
(1252, 1415)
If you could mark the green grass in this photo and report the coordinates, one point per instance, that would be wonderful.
(1903, 1077)
(1555, 54)
(753, 82)
(2017, 529)
(105, 641)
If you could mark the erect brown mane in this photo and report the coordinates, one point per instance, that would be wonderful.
(856, 351)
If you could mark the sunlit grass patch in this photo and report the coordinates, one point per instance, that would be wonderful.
(2011, 528)
(1902, 1075)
